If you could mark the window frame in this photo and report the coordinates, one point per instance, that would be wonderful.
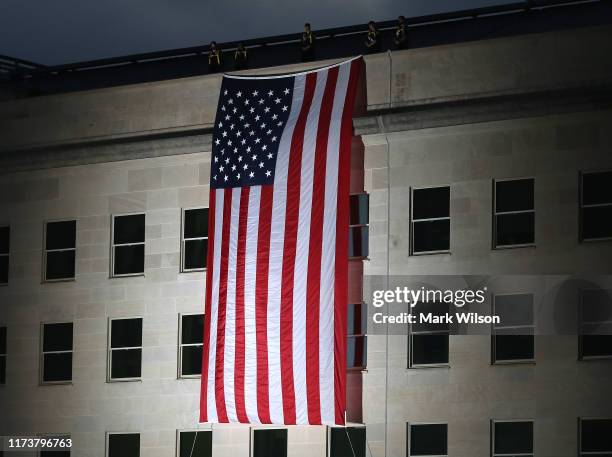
(494, 360)
(46, 251)
(581, 206)
(497, 421)
(351, 226)
(495, 246)
(107, 440)
(109, 350)
(264, 427)
(412, 252)
(41, 363)
(113, 246)
(581, 357)
(363, 335)
(180, 374)
(7, 255)
(329, 431)
(588, 453)
(411, 364)
(183, 240)
(409, 435)
(208, 429)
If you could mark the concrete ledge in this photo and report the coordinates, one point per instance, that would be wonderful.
(485, 110)
(108, 151)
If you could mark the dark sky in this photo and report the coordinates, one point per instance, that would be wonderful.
(63, 31)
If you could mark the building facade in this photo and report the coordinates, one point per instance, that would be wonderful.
(486, 158)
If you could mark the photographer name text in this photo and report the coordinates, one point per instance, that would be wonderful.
(431, 318)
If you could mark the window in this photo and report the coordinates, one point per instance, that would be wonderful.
(427, 439)
(359, 210)
(595, 340)
(2, 355)
(595, 437)
(347, 442)
(195, 443)
(596, 206)
(194, 239)
(128, 241)
(512, 339)
(270, 442)
(514, 213)
(56, 354)
(430, 220)
(190, 345)
(57, 450)
(60, 249)
(512, 438)
(428, 342)
(125, 349)
(55, 453)
(356, 337)
(5, 235)
(123, 445)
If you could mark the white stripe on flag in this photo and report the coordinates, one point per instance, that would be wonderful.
(211, 401)
(301, 252)
(250, 367)
(277, 236)
(328, 261)
(229, 357)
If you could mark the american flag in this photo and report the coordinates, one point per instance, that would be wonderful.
(276, 283)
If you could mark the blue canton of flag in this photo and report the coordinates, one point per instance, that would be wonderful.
(251, 116)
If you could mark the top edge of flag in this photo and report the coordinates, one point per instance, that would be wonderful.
(291, 74)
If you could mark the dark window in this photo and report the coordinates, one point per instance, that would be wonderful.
(2, 355)
(195, 444)
(5, 235)
(55, 449)
(195, 239)
(356, 334)
(56, 358)
(596, 437)
(125, 352)
(513, 438)
(270, 443)
(358, 225)
(123, 445)
(428, 342)
(60, 248)
(428, 439)
(128, 245)
(514, 213)
(596, 206)
(347, 442)
(192, 337)
(513, 337)
(430, 220)
(54, 453)
(595, 324)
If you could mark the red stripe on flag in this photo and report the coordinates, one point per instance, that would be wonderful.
(209, 263)
(314, 255)
(223, 271)
(240, 329)
(292, 211)
(342, 233)
(261, 302)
